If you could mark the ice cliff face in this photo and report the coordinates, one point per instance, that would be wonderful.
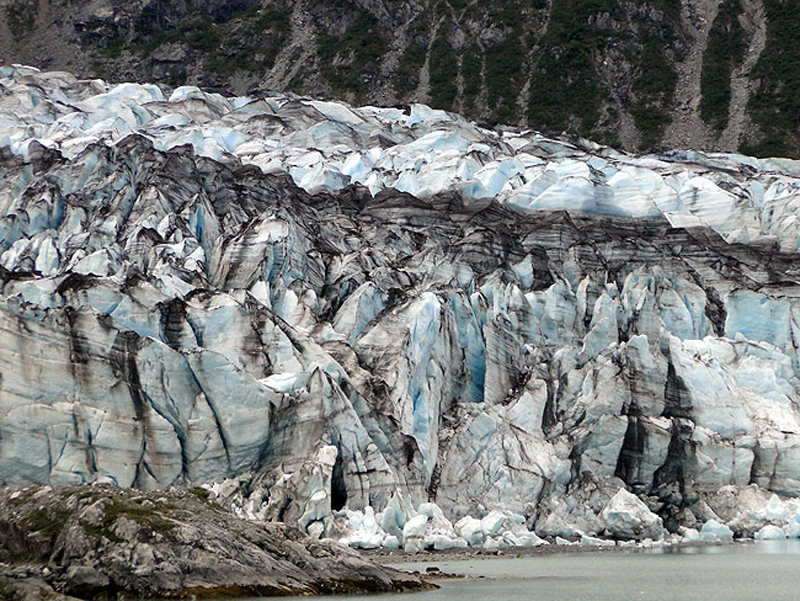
(328, 307)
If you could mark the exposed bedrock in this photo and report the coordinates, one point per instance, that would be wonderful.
(105, 542)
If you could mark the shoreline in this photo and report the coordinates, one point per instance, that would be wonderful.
(431, 565)
(397, 558)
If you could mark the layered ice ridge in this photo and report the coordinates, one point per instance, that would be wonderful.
(327, 146)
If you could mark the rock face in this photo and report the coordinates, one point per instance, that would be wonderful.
(710, 74)
(327, 309)
(101, 541)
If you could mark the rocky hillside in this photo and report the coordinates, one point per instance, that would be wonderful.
(701, 74)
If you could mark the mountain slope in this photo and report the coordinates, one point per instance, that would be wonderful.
(702, 74)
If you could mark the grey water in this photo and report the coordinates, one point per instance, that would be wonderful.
(768, 571)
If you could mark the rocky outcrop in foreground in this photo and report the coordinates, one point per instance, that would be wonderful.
(103, 542)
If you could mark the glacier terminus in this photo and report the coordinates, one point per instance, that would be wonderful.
(391, 326)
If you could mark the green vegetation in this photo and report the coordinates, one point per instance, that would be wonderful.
(589, 50)
(49, 520)
(407, 78)
(178, 78)
(471, 67)
(726, 48)
(81, 495)
(6, 590)
(504, 75)
(50, 523)
(101, 532)
(654, 86)
(266, 33)
(443, 74)
(505, 59)
(21, 17)
(197, 32)
(114, 47)
(140, 513)
(248, 41)
(202, 494)
(566, 84)
(775, 105)
(22, 498)
(569, 92)
(672, 8)
(346, 59)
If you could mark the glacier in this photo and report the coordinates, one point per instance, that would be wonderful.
(393, 326)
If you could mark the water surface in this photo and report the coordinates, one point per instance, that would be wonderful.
(768, 571)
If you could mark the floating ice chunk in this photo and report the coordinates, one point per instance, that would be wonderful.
(770, 532)
(440, 542)
(471, 530)
(414, 545)
(492, 524)
(626, 516)
(415, 527)
(713, 531)
(793, 529)
(591, 541)
(691, 535)
(529, 539)
(775, 510)
(364, 530)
